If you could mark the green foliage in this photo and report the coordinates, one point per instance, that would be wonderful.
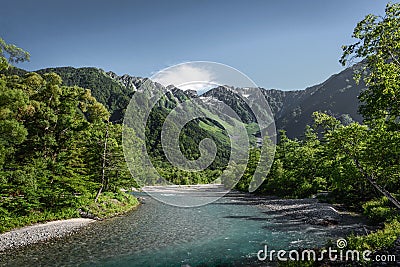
(189, 139)
(249, 170)
(104, 89)
(365, 155)
(15, 54)
(9, 221)
(298, 168)
(378, 240)
(51, 148)
(111, 204)
(378, 45)
(378, 210)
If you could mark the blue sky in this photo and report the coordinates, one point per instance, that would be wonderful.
(283, 44)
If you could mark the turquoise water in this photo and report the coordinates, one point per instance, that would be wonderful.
(228, 232)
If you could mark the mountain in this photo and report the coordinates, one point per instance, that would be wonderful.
(231, 97)
(337, 96)
(292, 110)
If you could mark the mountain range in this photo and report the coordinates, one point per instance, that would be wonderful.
(292, 110)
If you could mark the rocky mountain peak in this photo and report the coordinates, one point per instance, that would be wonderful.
(130, 82)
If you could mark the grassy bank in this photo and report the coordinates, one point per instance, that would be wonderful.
(111, 204)
(108, 205)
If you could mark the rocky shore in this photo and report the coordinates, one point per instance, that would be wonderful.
(41, 232)
(307, 212)
(310, 211)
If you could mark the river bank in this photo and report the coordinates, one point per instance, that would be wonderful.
(229, 231)
(41, 232)
(309, 211)
(108, 206)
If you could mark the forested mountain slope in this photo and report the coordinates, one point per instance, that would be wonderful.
(292, 109)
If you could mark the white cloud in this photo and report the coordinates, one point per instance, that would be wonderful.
(186, 77)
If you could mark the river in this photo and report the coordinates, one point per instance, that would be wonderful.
(228, 232)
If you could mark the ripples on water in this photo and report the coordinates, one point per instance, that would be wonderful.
(227, 232)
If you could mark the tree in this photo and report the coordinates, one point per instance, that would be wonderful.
(298, 167)
(378, 45)
(374, 148)
(367, 150)
(15, 54)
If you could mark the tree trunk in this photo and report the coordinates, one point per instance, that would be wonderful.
(103, 169)
(372, 181)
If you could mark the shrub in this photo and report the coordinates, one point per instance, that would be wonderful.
(378, 211)
(378, 240)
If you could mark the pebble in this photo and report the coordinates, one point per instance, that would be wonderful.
(40, 232)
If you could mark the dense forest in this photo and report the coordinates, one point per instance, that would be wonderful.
(59, 154)
(61, 150)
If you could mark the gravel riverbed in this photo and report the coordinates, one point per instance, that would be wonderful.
(41, 232)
